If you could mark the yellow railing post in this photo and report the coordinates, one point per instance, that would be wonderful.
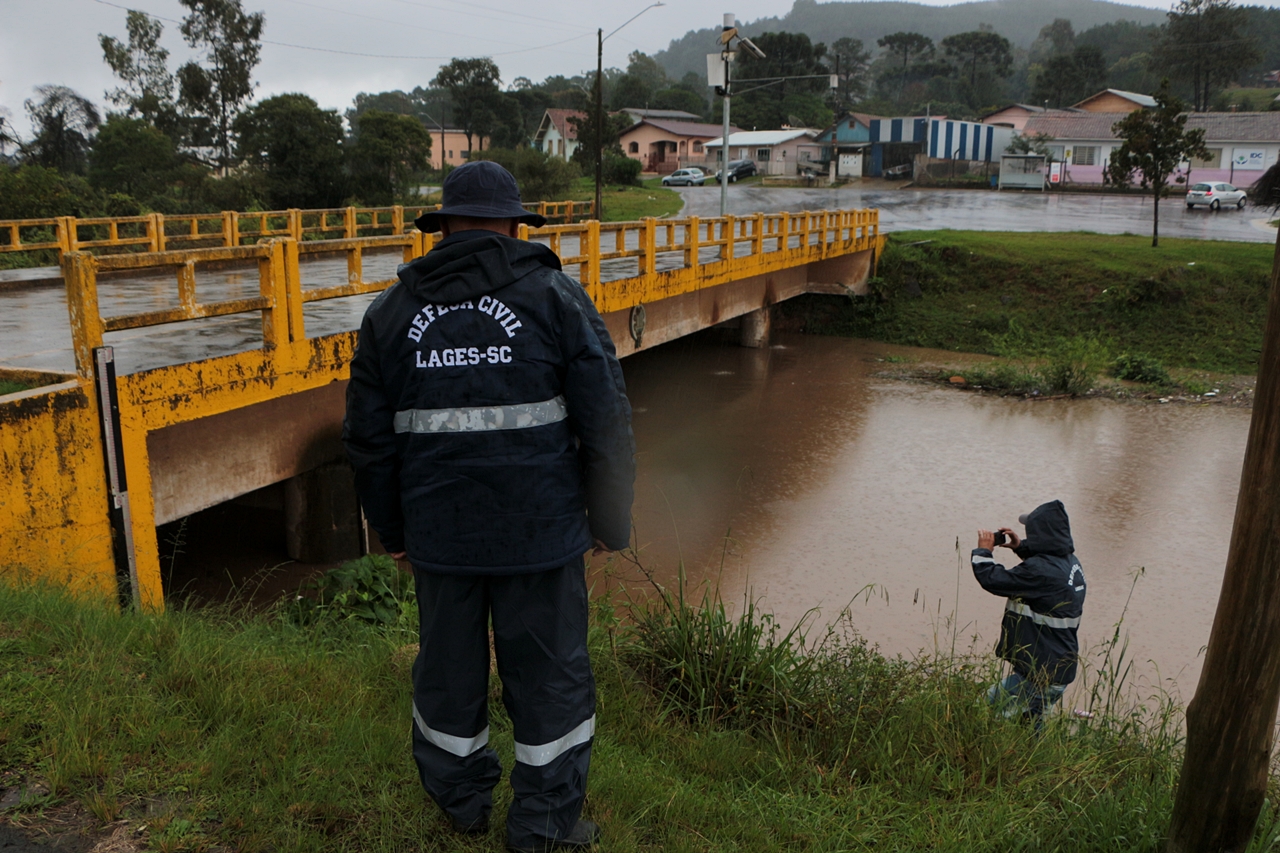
(273, 283)
(593, 260)
(235, 228)
(293, 292)
(66, 234)
(784, 233)
(648, 250)
(691, 244)
(726, 233)
(294, 223)
(397, 219)
(349, 223)
(355, 265)
(757, 235)
(80, 272)
(522, 232)
(156, 224)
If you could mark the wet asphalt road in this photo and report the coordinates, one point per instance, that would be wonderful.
(979, 210)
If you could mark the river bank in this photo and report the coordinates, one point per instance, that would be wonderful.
(217, 730)
(1085, 299)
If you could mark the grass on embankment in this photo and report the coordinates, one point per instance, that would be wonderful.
(627, 204)
(8, 386)
(1189, 303)
(194, 729)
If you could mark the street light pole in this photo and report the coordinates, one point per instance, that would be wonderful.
(599, 140)
(599, 211)
(724, 137)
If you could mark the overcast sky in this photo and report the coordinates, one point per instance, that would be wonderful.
(56, 41)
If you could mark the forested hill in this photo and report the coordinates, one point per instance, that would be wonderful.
(1017, 20)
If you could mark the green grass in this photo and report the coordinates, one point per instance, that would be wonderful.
(8, 386)
(716, 733)
(1188, 304)
(1249, 100)
(626, 204)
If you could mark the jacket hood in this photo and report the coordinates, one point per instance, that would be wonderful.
(472, 263)
(1048, 531)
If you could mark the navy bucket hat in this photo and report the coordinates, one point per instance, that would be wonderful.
(481, 189)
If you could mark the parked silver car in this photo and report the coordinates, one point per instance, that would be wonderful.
(685, 178)
(1215, 196)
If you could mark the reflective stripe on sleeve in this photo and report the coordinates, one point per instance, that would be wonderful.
(978, 558)
(537, 756)
(515, 416)
(459, 746)
(1039, 618)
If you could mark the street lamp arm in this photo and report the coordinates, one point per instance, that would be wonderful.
(633, 17)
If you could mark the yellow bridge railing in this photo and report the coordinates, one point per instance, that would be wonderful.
(697, 253)
(157, 232)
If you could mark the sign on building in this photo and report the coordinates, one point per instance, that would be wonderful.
(1249, 159)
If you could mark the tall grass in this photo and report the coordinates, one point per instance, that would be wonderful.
(719, 730)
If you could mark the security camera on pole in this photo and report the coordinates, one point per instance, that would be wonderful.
(718, 76)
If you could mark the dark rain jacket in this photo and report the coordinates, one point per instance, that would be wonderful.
(1046, 598)
(487, 418)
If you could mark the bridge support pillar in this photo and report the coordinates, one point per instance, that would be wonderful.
(322, 515)
(755, 328)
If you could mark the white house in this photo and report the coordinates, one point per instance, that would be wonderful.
(775, 152)
(1241, 145)
(556, 136)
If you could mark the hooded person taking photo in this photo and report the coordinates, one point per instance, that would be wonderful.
(1045, 595)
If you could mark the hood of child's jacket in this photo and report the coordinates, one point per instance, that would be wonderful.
(472, 263)
(1049, 531)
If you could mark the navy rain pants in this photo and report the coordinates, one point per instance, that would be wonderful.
(540, 637)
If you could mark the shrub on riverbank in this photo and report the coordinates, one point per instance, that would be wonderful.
(1189, 304)
(716, 732)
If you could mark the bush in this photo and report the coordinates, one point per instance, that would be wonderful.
(1072, 365)
(34, 192)
(621, 171)
(1140, 368)
(371, 590)
(541, 178)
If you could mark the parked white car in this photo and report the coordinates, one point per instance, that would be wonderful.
(1215, 196)
(685, 178)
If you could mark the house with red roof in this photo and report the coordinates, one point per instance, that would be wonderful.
(556, 135)
(664, 146)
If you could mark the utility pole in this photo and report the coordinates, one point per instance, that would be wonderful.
(600, 40)
(726, 34)
(599, 121)
(1231, 720)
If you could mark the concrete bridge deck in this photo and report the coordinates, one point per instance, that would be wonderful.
(35, 335)
(232, 364)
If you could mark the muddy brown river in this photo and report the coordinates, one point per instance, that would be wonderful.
(797, 476)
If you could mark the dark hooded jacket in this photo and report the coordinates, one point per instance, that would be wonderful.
(1046, 598)
(452, 463)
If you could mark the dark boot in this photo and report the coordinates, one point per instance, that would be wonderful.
(585, 834)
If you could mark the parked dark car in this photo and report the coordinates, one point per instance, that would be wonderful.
(739, 169)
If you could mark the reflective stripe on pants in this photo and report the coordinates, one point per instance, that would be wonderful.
(540, 633)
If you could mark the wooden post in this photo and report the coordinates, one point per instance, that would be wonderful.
(1231, 720)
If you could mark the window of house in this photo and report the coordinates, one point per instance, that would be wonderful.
(464, 154)
(762, 154)
(1057, 153)
(451, 155)
(1214, 161)
(1085, 155)
(697, 147)
(634, 147)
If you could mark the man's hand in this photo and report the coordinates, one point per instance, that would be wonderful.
(1014, 539)
(601, 548)
(986, 539)
(398, 555)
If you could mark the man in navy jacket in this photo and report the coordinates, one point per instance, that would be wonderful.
(489, 427)
(1042, 615)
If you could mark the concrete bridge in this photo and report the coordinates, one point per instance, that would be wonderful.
(192, 377)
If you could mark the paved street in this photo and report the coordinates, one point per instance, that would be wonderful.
(920, 209)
